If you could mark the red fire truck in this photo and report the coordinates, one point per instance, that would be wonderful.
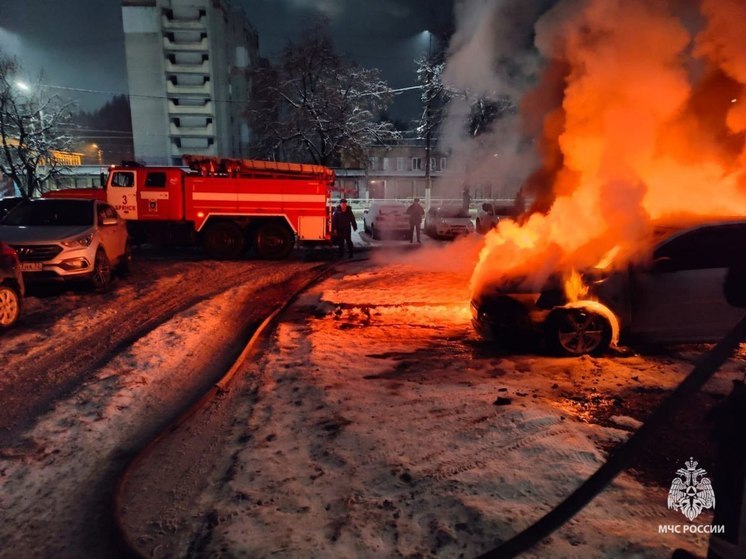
(228, 205)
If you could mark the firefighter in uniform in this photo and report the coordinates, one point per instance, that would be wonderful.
(343, 223)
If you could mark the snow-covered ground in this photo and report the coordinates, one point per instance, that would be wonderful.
(57, 476)
(377, 425)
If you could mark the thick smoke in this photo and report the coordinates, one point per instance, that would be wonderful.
(491, 58)
(638, 114)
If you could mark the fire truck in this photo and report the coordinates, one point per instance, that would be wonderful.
(228, 205)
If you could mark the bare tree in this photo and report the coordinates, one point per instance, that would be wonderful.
(315, 106)
(31, 143)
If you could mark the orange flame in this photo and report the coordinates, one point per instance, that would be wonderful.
(639, 135)
(575, 288)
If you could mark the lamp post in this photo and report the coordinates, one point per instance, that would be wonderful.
(99, 153)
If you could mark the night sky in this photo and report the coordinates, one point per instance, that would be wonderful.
(79, 43)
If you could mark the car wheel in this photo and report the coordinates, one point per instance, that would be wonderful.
(10, 306)
(273, 241)
(578, 332)
(125, 263)
(101, 277)
(479, 228)
(373, 233)
(224, 240)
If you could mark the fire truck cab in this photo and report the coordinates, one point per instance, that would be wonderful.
(228, 205)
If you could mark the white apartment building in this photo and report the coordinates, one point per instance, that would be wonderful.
(187, 63)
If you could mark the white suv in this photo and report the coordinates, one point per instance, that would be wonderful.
(67, 239)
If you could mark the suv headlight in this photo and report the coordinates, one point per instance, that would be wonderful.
(82, 241)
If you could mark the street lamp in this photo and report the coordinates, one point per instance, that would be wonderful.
(99, 153)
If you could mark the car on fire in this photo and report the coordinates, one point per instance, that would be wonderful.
(670, 291)
(386, 220)
(448, 222)
(11, 286)
(67, 239)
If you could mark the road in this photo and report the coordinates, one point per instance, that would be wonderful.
(88, 378)
(373, 424)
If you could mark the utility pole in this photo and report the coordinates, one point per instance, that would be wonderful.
(428, 121)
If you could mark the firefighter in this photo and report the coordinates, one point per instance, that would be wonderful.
(343, 222)
(415, 213)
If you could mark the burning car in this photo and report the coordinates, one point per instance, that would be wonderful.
(671, 291)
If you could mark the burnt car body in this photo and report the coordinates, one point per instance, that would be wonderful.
(672, 291)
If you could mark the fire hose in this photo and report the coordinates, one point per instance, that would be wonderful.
(623, 456)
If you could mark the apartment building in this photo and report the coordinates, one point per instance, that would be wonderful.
(187, 64)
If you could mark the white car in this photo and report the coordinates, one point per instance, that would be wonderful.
(387, 220)
(67, 239)
(489, 215)
(448, 222)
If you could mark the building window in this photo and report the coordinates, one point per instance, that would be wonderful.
(401, 164)
(432, 164)
(373, 163)
(416, 163)
(443, 163)
(386, 163)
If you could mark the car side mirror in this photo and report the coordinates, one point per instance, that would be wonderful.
(365, 211)
(107, 221)
(664, 265)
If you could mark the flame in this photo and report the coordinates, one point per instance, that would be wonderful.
(648, 127)
(575, 289)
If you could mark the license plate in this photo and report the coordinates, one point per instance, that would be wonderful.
(31, 266)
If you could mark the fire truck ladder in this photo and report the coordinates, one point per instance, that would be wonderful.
(248, 168)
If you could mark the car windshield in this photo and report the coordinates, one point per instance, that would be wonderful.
(456, 211)
(52, 213)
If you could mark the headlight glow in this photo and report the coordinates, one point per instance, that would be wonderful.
(83, 241)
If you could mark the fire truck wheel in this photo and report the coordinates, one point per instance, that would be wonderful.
(273, 241)
(224, 240)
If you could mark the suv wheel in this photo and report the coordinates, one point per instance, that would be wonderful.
(101, 277)
(10, 306)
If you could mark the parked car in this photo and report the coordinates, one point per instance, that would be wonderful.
(489, 215)
(7, 204)
(671, 291)
(386, 220)
(11, 286)
(67, 239)
(448, 222)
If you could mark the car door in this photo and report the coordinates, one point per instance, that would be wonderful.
(679, 297)
(113, 236)
(122, 193)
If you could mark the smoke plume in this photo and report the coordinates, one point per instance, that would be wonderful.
(636, 113)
